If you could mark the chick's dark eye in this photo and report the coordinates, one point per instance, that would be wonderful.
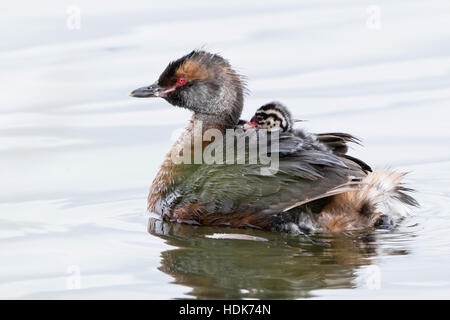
(259, 118)
(181, 81)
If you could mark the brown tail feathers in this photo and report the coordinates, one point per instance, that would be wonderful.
(382, 192)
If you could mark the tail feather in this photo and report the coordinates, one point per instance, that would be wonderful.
(381, 193)
(388, 193)
(401, 195)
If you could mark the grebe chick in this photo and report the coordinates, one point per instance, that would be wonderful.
(276, 116)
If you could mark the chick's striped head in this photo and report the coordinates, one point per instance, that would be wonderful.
(272, 116)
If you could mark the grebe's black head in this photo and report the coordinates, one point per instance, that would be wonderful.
(202, 82)
(272, 116)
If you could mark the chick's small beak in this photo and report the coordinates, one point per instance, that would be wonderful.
(250, 125)
(153, 90)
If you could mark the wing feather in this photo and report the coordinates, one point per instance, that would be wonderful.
(305, 174)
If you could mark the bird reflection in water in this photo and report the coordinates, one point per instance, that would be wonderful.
(278, 266)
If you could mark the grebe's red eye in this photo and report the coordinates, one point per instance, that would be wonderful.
(181, 81)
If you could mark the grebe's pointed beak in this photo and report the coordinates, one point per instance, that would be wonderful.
(151, 91)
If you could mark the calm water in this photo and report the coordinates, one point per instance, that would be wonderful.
(77, 155)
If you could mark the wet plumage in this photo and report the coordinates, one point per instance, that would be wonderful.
(310, 176)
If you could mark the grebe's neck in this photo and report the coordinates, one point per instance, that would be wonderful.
(224, 109)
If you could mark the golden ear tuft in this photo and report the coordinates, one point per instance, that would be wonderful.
(192, 70)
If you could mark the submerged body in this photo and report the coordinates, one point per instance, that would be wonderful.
(313, 181)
